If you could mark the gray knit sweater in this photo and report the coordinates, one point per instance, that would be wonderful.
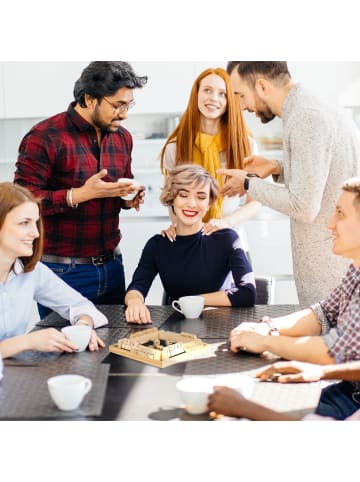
(320, 151)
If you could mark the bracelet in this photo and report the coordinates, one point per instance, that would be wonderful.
(71, 200)
(270, 323)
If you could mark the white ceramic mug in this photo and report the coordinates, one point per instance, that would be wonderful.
(194, 393)
(68, 391)
(131, 195)
(79, 335)
(189, 306)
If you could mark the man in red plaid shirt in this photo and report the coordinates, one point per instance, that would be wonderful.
(73, 161)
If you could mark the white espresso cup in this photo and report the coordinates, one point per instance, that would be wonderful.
(68, 391)
(79, 335)
(189, 306)
(131, 195)
(194, 393)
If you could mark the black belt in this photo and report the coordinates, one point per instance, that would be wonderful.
(95, 260)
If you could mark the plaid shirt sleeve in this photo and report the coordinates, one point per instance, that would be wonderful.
(339, 315)
(36, 163)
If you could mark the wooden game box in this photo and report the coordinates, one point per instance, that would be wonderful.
(160, 348)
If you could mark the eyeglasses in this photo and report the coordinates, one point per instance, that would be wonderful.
(122, 107)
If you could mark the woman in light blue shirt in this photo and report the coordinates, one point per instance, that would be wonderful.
(23, 279)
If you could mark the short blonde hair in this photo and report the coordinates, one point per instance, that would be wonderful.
(183, 176)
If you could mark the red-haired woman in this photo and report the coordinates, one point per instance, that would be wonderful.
(213, 134)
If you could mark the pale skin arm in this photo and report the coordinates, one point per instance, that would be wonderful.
(217, 298)
(48, 340)
(136, 311)
(300, 323)
(305, 348)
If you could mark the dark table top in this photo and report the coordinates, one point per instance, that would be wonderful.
(124, 389)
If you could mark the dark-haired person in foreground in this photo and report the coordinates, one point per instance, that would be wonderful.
(73, 161)
(329, 331)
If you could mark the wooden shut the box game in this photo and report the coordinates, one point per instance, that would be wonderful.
(160, 348)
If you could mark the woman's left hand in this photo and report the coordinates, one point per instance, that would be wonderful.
(214, 225)
(95, 342)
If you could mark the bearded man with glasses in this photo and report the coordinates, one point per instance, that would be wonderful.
(73, 161)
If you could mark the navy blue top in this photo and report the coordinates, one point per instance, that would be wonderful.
(197, 264)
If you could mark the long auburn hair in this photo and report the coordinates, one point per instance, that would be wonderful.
(234, 131)
(12, 196)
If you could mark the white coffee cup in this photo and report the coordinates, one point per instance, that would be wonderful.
(189, 306)
(68, 391)
(194, 393)
(242, 383)
(131, 195)
(79, 335)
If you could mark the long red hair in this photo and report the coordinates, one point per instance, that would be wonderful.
(234, 131)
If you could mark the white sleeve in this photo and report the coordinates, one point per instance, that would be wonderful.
(52, 292)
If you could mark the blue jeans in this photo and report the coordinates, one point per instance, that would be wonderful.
(103, 284)
(338, 401)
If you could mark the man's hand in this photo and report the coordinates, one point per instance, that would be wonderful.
(96, 188)
(138, 199)
(291, 371)
(234, 186)
(261, 166)
(247, 341)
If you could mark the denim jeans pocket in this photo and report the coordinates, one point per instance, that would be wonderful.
(59, 268)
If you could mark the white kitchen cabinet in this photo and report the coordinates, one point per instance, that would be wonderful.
(168, 87)
(38, 89)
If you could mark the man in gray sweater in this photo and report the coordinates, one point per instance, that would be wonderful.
(320, 151)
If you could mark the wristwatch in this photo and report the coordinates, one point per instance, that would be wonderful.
(247, 179)
(270, 322)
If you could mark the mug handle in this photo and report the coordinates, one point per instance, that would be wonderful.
(174, 303)
(87, 386)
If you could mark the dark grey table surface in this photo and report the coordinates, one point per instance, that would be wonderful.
(124, 389)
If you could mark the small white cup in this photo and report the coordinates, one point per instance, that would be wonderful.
(79, 335)
(189, 306)
(131, 195)
(68, 391)
(194, 393)
(242, 383)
